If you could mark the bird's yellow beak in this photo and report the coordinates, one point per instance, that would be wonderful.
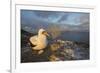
(45, 33)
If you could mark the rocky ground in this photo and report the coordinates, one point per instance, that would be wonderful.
(57, 50)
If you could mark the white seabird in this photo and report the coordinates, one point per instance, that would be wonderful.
(40, 41)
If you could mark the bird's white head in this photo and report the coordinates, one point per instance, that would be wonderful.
(43, 32)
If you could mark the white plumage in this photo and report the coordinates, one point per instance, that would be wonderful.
(40, 40)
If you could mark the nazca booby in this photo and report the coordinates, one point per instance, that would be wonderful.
(39, 41)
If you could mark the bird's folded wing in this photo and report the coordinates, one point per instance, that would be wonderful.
(33, 40)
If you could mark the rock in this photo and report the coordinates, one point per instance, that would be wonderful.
(69, 42)
(69, 52)
(54, 47)
(57, 50)
(61, 41)
(54, 58)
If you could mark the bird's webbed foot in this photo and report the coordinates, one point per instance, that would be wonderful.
(40, 52)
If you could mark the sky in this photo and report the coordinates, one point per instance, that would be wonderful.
(77, 20)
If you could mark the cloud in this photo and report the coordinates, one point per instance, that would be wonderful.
(71, 20)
